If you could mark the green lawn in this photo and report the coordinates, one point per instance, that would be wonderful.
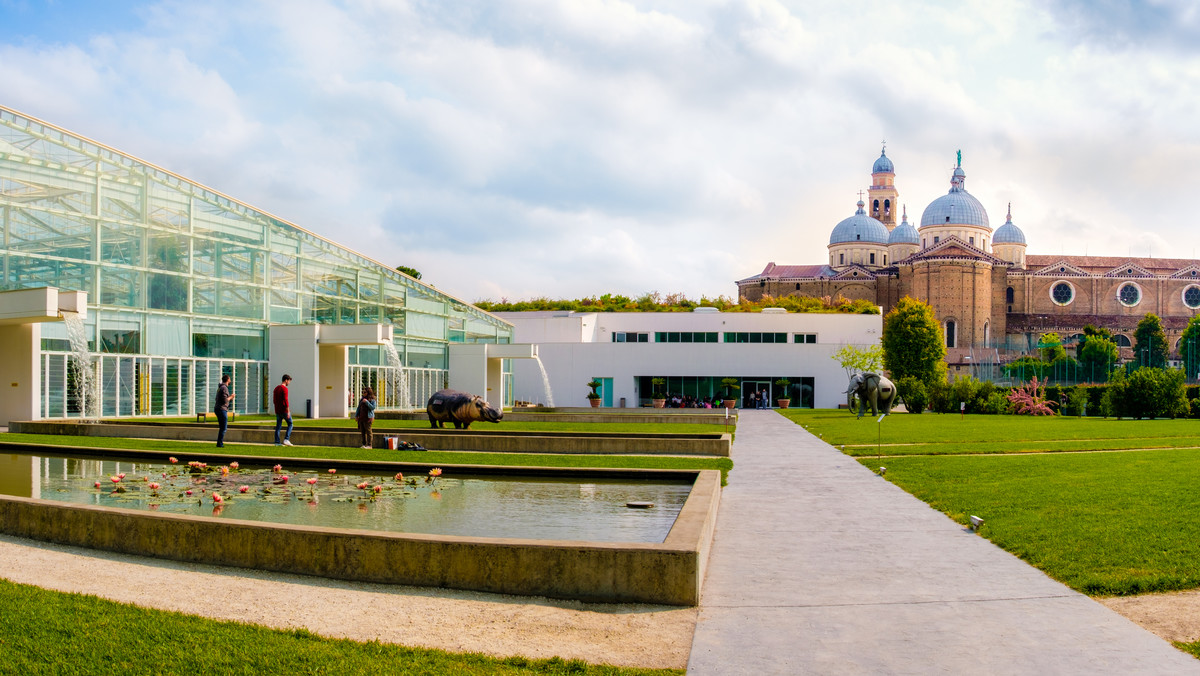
(182, 448)
(938, 434)
(1114, 523)
(43, 632)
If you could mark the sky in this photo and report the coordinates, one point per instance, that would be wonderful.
(512, 149)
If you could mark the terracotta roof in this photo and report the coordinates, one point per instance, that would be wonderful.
(773, 271)
(1100, 265)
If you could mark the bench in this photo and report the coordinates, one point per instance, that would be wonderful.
(204, 415)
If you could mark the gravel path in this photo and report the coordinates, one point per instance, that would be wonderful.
(630, 635)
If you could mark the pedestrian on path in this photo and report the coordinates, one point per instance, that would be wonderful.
(283, 410)
(221, 408)
(365, 415)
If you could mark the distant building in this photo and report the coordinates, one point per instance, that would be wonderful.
(693, 351)
(992, 299)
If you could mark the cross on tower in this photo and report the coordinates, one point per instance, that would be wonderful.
(859, 195)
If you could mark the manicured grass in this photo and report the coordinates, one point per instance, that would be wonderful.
(182, 448)
(1103, 523)
(43, 632)
(937, 434)
(609, 428)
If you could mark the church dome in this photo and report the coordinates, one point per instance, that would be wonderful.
(957, 207)
(1008, 233)
(883, 164)
(904, 233)
(859, 228)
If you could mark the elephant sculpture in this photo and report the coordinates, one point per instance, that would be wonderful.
(873, 389)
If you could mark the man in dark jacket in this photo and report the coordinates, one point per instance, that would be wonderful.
(283, 411)
(221, 408)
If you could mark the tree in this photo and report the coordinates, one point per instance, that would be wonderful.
(1050, 345)
(1150, 342)
(1090, 331)
(411, 272)
(912, 343)
(855, 359)
(1189, 348)
(1097, 356)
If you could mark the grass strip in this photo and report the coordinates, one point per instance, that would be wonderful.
(182, 448)
(1037, 446)
(1117, 523)
(45, 632)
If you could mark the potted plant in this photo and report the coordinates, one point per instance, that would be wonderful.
(594, 396)
(731, 386)
(786, 399)
(659, 399)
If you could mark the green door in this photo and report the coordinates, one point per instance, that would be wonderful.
(606, 391)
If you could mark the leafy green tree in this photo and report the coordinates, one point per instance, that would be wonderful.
(855, 359)
(411, 272)
(1050, 345)
(1150, 342)
(1189, 348)
(913, 393)
(1096, 358)
(913, 344)
(1090, 331)
(1149, 393)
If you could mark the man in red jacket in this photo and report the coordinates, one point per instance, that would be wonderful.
(283, 410)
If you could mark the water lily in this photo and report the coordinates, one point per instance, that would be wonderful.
(362, 486)
(187, 492)
(400, 477)
(217, 498)
(122, 475)
(378, 489)
(435, 472)
(243, 489)
(154, 486)
(173, 460)
(332, 471)
(115, 479)
(312, 481)
(283, 479)
(97, 484)
(224, 471)
(234, 465)
(277, 469)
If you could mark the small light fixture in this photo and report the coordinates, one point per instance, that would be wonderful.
(976, 522)
(882, 471)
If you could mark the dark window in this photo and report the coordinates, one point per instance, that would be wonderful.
(1122, 341)
(1129, 295)
(1008, 295)
(1191, 297)
(950, 334)
(1063, 293)
(872, 259)
(841, 259)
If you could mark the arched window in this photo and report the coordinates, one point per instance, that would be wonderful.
(1009, 295)
(887, 207)
(1122, 341)
(950, 326)
(875, 208)
(985, 333)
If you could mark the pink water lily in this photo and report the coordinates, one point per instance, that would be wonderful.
(362, 485)
(233, 465)
(400, 476)
(435, 472)
(378, 489)
(283, 479)
(173, 460)
(97, 484)
(122, 475)
(154, 486)
(312, 481)
(217, 498)
(243, 489)
(187, 492)
(333, 471)
(115, 479)
(277, 469)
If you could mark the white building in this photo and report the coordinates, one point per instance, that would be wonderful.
(693, 351)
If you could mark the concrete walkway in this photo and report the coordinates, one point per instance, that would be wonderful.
(819, 566)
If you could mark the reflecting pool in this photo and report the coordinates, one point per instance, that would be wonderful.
(547, 508)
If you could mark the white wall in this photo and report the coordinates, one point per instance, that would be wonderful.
(294, 352)
(571, 364)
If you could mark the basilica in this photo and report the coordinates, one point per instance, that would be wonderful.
(993, 300)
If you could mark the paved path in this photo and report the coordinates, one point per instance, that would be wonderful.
(819, 566)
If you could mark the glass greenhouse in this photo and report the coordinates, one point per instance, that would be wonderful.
(183, 283)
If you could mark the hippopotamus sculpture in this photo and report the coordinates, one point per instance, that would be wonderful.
(460, 408)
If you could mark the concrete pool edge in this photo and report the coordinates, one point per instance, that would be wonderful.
(667, 573)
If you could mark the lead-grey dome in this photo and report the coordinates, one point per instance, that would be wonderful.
(956, 207)
(904, 233)
(1008, 233)
(883, 163)
(859, 228)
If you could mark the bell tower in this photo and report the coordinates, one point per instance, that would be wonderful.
(883, 198)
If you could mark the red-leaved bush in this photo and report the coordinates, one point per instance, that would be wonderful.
(1030, 399)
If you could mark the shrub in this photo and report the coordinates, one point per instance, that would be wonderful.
(1030, 399)
(996, 403)
(914, 394)
(1076, 402)
(939, 396)
(1148, 392)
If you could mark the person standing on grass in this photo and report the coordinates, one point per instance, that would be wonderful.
(221, 408)
(365, 415)
(283, 411)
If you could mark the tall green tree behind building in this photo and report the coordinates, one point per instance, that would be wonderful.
(1150, 342)
(913, 346)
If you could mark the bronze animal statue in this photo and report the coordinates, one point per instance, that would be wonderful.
(871, 389)
(460, 408)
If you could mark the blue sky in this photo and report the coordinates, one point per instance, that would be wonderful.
(528, 147)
